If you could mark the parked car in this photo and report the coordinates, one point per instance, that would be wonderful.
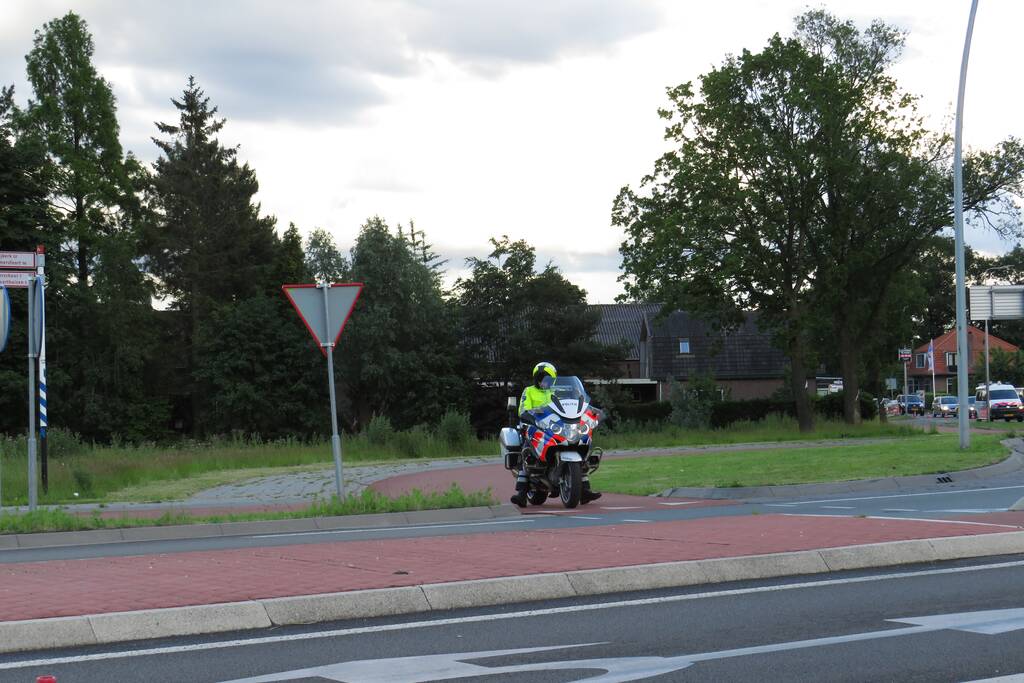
(911, 404)
(944, 406)
(892, 407)
(1000, 402)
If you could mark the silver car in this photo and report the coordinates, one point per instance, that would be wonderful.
(944, 406)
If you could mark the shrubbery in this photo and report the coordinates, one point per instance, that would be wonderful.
(454, 429)
(379, 432)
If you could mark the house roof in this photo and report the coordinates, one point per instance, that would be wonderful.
(743, 353)
(947, 343)
(622, 323)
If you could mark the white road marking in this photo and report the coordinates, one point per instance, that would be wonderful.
(837, 507)
(450, 667)
(899, 510)
(585, 517)
(902, 519)
(393, 528)
(501, 616)
(945, 521)
(1012, 678)
(897, 495)
(638, 521)
(688, 502)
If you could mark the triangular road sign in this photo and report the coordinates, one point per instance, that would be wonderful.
(325, 323)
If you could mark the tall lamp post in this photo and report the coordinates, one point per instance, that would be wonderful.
(963, 416)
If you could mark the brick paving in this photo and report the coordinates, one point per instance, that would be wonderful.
(91, 586)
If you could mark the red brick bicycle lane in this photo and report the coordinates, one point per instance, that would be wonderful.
(90, 586)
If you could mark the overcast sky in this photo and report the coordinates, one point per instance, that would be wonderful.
(478, 118)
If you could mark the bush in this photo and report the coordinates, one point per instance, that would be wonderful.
(454, 429)
(692, 406)
(380, 432)
(830, 406)
(411, 443)
(653, 411)
(725, 413)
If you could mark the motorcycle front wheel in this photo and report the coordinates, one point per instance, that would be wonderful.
(571, 487)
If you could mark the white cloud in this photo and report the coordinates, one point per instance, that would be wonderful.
(477, 118)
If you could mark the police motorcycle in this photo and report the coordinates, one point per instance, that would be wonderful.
(558, 449)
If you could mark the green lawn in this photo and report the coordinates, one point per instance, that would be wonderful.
(923, 454)
(367, 503)
(772, 428)
(175, 472)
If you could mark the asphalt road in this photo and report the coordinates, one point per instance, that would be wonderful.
(947, 622)
(943, 502)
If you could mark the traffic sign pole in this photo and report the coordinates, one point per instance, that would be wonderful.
(325, 315)
(335, 438)
(32, 492)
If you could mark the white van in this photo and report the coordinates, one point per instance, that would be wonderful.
(1003, 400)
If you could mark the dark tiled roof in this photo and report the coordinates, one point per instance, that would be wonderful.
(621, 323)
(743, 353)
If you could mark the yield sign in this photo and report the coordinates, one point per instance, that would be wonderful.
(324, 317)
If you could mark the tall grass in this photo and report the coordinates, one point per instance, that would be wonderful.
(84, 472)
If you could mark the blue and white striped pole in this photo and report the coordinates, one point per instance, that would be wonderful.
(42, 362)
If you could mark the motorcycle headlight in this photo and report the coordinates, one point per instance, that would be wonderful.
(584, 428)
(572, 432)
(556, 428)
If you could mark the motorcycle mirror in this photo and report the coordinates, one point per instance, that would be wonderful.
(512, 402)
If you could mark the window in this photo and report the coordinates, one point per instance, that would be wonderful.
(684, 346)
(919, 360)
(950, 359)
(950, 382)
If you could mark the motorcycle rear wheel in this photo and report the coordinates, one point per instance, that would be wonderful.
(571, 487)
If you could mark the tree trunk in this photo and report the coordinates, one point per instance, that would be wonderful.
(798, 382)
(848, 358)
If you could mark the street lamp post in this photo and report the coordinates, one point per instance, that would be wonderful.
(958, 215)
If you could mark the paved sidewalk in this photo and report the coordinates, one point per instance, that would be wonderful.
(96, 586)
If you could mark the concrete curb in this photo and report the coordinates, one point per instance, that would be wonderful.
(1013, 463)
(189, 531)
(97, 629)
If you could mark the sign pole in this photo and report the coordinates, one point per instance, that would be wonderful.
(906, 385)
(988, 382)
(32, 493)
(43, 422)
(335, 439)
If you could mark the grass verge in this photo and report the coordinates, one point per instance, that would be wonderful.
(87, 473)
(923, 454)
(367, 503)
(772, 428)
(80, 473)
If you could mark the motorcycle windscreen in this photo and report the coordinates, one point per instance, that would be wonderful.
(569, 398)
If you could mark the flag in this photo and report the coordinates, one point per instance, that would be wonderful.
(931, 355)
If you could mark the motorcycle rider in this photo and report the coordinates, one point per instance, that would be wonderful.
(535, 397)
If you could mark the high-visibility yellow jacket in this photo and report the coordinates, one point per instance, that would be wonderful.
(532, 398)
